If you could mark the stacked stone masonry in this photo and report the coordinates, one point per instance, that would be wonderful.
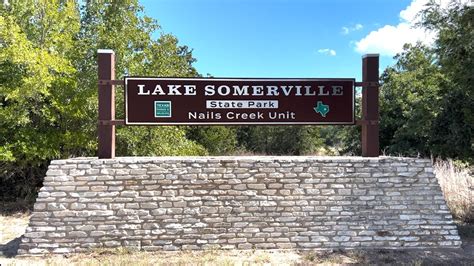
(190, 203)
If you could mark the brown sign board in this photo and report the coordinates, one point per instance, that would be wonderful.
(234, 101)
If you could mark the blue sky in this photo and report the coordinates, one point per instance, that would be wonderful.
(287, 39)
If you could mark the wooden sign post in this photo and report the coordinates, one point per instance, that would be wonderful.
(106, 69)
(200, 101)
(370, 106)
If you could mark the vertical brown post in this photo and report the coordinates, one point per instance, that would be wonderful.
(106, 71)
(370, 106)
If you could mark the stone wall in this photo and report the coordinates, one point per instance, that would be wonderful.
(172, 203)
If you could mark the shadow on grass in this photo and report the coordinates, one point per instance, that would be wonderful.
(10, 249)
(466, 230)
(11, 213)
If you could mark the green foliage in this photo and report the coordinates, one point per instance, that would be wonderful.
(121, 26)
(344, 140)
(453, 129)
(50, 102)
(218, 140)
(341, 140)
(293, 140)
(165, 141)
(33, 100)
(409, 101)
(37, 108)
(48, 83)
(427, 97)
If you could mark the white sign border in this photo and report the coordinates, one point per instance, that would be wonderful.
(126, 78)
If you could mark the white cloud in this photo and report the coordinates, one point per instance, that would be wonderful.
(389, 39)
(347, 30)
(327, 51)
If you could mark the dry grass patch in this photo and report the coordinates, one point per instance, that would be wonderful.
(123, 256)
(12, 226)
(458, 189)
(335, 257)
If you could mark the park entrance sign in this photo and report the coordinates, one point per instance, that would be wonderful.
(232, 101)
(264, 194)
(204, 101)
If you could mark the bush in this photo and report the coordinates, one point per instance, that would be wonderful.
(458, 189)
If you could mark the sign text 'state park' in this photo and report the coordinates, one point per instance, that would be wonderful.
(216, 101)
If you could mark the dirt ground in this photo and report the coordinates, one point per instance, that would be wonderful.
(13, 226)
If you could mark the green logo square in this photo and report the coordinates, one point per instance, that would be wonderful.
(162, 108)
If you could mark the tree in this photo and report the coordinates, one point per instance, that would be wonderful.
(409, 99)
(217, 140)
(36, 82)
(293, 140)
(427, 97)
(122, 27)
(453, 128)
(48, 83)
